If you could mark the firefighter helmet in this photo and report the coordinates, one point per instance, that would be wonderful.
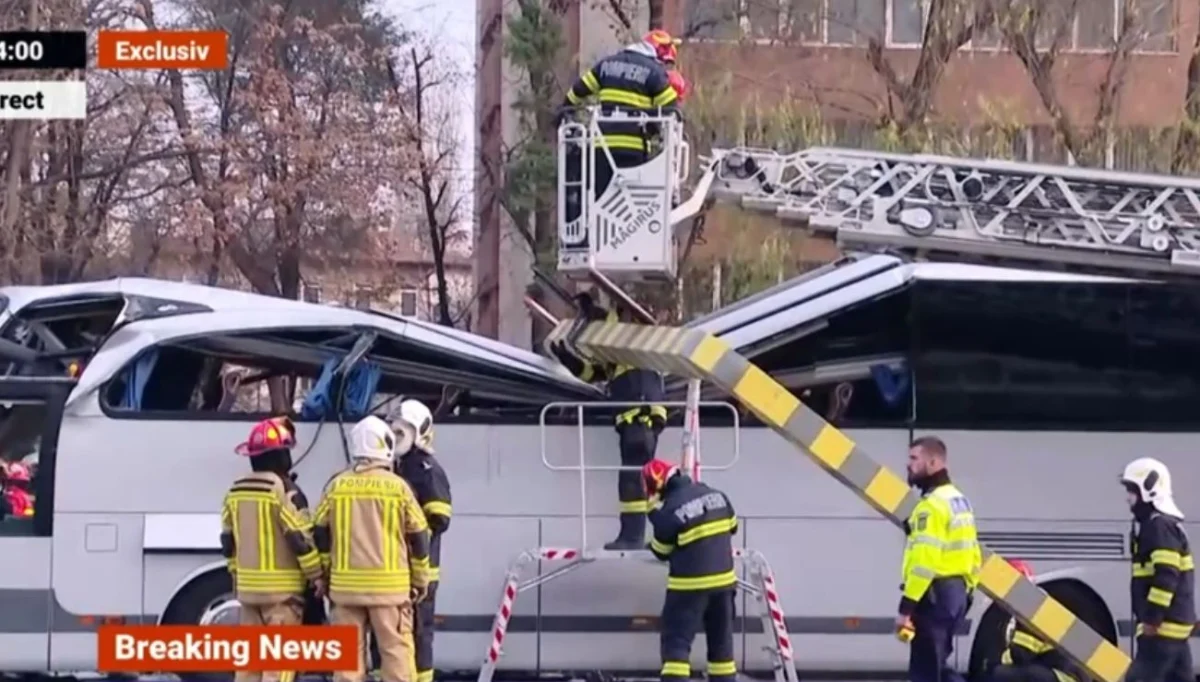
(1151, 481)
(277, 433)
(655, 475)
(373, 439)
(665, 46)
(416, 418)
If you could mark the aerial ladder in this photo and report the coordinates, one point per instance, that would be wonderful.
(924, 207)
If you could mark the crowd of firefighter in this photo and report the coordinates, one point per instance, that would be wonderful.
(371, 548)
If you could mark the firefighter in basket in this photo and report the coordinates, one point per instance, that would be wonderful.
(374, 541)
(633, 81)
(266, 536)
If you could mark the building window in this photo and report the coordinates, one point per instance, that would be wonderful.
(310, 292)
(363, 296)
(908, 21)
(1094, 25)
(408, 302)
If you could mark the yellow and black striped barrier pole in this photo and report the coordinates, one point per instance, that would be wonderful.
(700, 355)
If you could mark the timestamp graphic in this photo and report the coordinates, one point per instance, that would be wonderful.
(43, 50)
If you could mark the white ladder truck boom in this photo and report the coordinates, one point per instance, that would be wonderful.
(986, 210)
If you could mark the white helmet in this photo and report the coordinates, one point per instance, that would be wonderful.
(372, 439)
(417, 422)
(1152, 480)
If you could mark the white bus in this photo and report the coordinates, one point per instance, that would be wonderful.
(1043, 385)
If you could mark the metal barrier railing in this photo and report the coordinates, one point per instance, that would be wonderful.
(582, 467)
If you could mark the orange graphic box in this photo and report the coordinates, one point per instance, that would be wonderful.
(207, 50)
(227, 648)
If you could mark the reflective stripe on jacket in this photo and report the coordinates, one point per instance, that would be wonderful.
(373, 537)
(630, 81)
(266, 539)
(942, 542)
(693, 531)
(1163, 582)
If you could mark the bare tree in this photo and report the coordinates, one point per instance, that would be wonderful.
(947, 26)
(74, 191)
(305, 146)
(1038, 31)
(430, 130)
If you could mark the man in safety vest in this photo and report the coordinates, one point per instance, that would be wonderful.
(432, 487)
(266, 536)
(1163, 583)
(638, 426)
(941, 564)
(373, 539)
(693, 529)
(1028, 658)
(632, 81)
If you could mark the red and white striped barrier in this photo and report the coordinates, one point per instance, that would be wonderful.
(503, 616)
(557, 553)
(778, 621)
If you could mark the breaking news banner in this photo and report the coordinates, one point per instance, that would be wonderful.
(226, 648)
(43, 100)
(43, 50)
(190, 50)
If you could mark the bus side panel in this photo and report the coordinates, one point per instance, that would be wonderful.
(97, 572)
(473, 572)
(26, 604)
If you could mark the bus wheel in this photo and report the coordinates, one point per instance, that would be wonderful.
(1079, 599)
(207, 600)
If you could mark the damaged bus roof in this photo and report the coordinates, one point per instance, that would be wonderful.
(175, 310)
(798, 306)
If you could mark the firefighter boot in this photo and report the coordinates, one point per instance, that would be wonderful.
(632, 535)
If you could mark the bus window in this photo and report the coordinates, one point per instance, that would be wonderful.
(21, 428)
(1054, 356)
(853, 371)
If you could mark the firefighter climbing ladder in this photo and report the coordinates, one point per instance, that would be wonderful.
(923, 206)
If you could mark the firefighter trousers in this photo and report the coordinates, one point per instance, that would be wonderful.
(1161, 659)
(424, 624)
(392, 628)
(684, 614)
(290, 612)
(637, 443)
(624, 158)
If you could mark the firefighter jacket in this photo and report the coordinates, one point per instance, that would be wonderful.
(266, 539)
(1026, 648)
(942, 542)
(432, 487)
(372, 537)
(1163, 584)
(693, 530)
(632, 81)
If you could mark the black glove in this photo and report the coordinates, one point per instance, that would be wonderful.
(564, 114)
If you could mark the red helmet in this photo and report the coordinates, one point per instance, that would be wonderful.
(666, 47)
(1022, 568)
(679, 83)
(270, 434)
(655, 475)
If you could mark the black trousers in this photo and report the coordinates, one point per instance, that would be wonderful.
(1160, 659)
(623, 158)
(423, 625)
(936, 620)
(637, 442)
(1023, 673)
(684, 614)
